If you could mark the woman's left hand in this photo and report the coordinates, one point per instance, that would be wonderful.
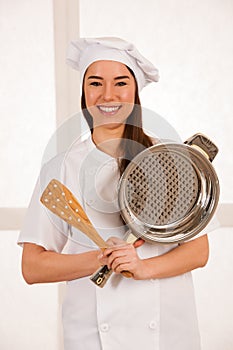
(124, 257)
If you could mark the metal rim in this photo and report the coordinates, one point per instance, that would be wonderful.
(200, 215)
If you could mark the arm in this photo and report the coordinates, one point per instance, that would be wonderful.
(42, 266)
(186, 257)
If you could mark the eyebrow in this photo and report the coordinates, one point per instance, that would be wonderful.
(100, 78)
(94, 77)
(122, 77)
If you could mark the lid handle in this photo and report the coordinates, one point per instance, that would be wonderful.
(204, 144)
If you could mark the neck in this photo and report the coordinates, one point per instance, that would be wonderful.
(108, 139)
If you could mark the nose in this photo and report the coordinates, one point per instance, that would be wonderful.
(108, 92)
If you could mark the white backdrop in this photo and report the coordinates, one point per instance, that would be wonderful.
(27, 92)
(29, 314)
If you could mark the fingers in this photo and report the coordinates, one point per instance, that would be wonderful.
(139, 243)
(103, 260)
(113, 241)
(114, 260)
(120, 255)
(119, 266)
(117, 257)
(114, 244)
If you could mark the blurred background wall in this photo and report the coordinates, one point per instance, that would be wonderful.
(190, 42)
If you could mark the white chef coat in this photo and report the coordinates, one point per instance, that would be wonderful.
(125, 314)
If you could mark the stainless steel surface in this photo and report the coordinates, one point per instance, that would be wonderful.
(168, 193)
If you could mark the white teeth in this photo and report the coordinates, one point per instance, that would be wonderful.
(108, 109)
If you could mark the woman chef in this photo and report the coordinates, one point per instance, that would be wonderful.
(154, 310)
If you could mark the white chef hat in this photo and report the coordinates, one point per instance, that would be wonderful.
(84, 51)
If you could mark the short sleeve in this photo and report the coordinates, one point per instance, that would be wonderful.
(40, 226)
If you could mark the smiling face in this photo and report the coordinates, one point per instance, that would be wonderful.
(109, 90)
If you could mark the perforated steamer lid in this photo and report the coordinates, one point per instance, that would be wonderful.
(169, 192)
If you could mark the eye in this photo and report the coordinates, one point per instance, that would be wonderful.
(95, 83)
(121, 83)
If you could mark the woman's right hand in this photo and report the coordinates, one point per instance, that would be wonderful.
(112, 241)
(116, 244)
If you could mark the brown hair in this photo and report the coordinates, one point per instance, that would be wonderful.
(132, 132)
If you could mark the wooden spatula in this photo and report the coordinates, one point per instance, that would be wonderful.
(57, 198)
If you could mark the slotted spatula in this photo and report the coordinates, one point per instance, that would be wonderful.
(58, 199)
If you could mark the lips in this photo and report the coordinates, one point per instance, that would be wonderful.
(109, 110)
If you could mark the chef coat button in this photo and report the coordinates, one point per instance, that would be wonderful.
(104, 327)
(153, 324)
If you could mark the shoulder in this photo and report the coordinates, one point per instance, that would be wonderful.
(65, 164)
